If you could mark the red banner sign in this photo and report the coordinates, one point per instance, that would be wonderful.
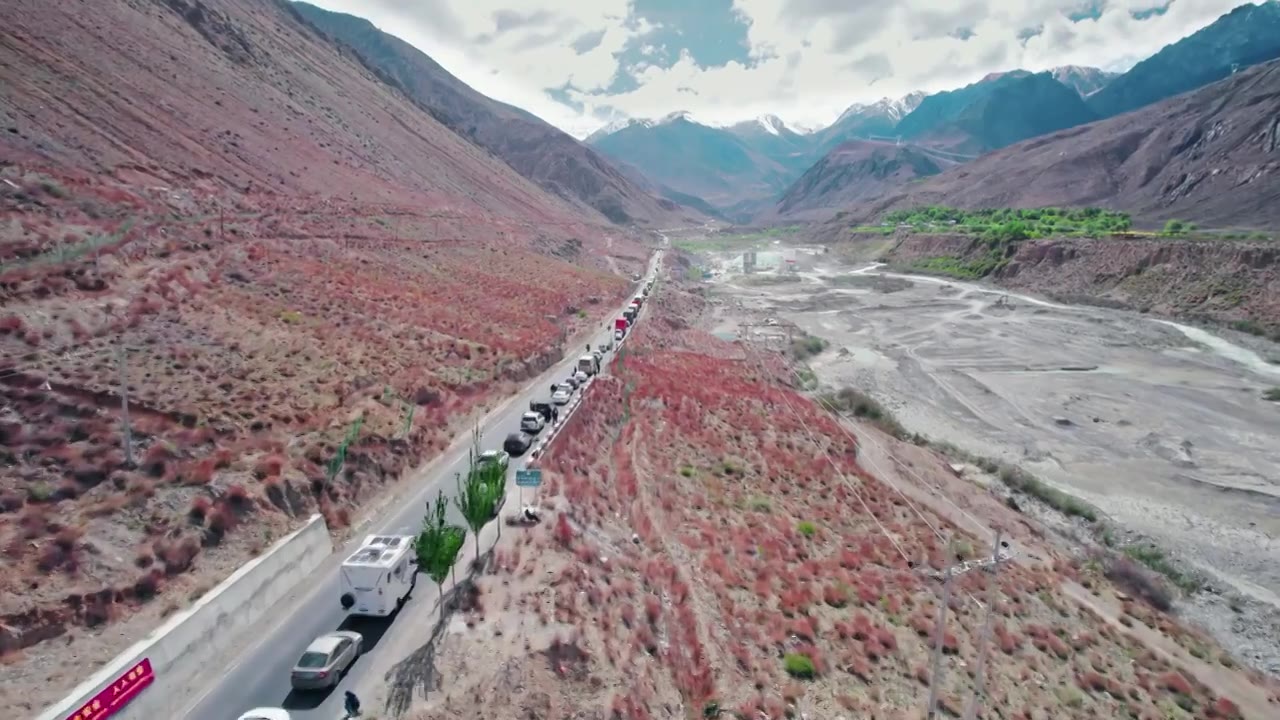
(118, 694)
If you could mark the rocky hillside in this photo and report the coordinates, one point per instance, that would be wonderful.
(535, 149)
(1233, 283)
(1246, 36)
(1212, 156)
(857, 172)
(282, 256)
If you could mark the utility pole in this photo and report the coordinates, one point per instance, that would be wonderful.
(124, 405)
(947, 575)
(979, 690)
(939, 632)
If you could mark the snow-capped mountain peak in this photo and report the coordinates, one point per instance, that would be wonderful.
(677, 115)
(895, 110)
(771, 124)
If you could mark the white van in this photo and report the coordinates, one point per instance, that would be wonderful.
(379, 576)
(588, 364)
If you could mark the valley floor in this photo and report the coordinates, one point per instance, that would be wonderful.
(1163, 428)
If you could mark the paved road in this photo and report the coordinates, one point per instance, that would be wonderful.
(259, 677)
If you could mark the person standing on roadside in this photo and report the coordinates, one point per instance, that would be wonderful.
(352, 704)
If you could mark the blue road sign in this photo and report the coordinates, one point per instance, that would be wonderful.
(528, 478)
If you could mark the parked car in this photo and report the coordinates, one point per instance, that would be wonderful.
(325, 660)
(517, 444)
(549, 412)
(579, 376)
(532, 423)
(571, 381)
(494, 456)
(265, 713)
(562, 394)
(617, 335)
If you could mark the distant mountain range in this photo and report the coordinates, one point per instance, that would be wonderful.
(1212, 155)
(762, 168)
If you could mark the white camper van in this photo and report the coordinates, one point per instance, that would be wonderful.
(378, 577)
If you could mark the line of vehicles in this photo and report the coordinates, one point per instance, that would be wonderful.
(378, 577)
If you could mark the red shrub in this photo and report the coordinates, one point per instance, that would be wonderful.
(268, 466)
(11, 324)
(886, 639)
(1091, 681)
(1225, 709)
(200, 506)
(1058, 647)
(199, 473)
(836, 595)
(563, 530)
(652, 608)
(1175, 682)
(237, 496)
(178, 555)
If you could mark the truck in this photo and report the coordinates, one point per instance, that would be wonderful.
(378, 576)
(629, 314)
(620, 325)
(589, 364)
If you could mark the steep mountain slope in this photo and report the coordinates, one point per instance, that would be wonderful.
(770, 137)
(710, 163)
(535, 149)
(942, 108)
(1212, 156)
(1084, 80)
(1246, 36)
(857, 171)
(279, 255)
(995, 112)
(945, 128)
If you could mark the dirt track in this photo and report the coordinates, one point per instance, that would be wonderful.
(1168, 435)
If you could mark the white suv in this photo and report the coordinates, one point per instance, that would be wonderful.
(532, 423)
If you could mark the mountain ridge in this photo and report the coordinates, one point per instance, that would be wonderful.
(1211, 155)
(538, 151)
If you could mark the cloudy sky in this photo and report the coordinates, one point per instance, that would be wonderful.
(581, 63)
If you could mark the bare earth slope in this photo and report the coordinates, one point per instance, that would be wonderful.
(538, 151)
(276, 250)
(1212, 156)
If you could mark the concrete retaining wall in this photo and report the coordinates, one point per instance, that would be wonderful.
(181, 649)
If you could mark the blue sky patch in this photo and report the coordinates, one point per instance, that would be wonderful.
(710, 32)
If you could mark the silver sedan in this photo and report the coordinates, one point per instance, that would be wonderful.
(326, 659)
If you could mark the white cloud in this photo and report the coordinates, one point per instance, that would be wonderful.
(811, 58)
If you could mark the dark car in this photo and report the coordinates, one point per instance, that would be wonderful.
(517, 444)
(549, 412)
